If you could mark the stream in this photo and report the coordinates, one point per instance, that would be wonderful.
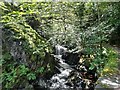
(60, 80)
(70, 75)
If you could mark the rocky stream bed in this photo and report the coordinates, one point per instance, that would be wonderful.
(70, 74)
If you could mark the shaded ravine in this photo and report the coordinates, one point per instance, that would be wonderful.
(68, 77)
(69, 74)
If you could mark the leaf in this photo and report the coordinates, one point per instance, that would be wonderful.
(7, 56)
(31, 76)
(40, 70)
(91, 67)
(23, 70)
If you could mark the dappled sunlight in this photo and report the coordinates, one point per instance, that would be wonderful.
(61, 45)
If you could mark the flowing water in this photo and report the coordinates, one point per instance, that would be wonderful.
(67, 76)
(60, 80)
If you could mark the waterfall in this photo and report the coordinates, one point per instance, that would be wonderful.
(68, 77)
(59, 80)
(60, 50)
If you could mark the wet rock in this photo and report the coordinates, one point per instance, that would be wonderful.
(74, 79)
(72, 74)
(83, 84)
(109, 82)
(71, 58)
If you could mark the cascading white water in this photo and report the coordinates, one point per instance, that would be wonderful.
(67, 77)
(59, 80)
(60, 50)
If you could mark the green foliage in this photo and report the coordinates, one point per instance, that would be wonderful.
(111, 67)
(96, 27)
(17, 29)
(40, 70)
(23, 70)
(31, 29)
(31, 76)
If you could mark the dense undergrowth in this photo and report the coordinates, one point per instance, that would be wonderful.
(31, 30)
(111, 67)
